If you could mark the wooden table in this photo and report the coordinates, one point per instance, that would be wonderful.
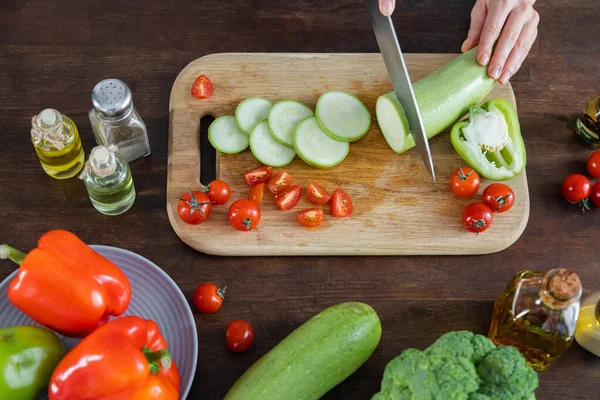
(53, 53)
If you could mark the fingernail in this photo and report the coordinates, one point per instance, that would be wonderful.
(484, 59)
(464, 45)
(496, 72)
(388, 8)
(505, 77)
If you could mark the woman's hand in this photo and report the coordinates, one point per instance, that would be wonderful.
(513, 23)
(387, 7)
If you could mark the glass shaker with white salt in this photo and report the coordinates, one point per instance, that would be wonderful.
(116, 122)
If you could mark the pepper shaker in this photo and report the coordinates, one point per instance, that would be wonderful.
(116, 122)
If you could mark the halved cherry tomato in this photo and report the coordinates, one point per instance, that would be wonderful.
(576, 189)
(593, 164)
(208, 297)
(477, 217)
(239, 335)
(202, 88)
(310, 217)
(464, 182)
(258, 175)
(279, 182)
(595, 196)
(288, 199)
(194, 207)
(317, 194)
(498, 197)
(218, 192)
(244, 215)
(256, 193)
(340, 204)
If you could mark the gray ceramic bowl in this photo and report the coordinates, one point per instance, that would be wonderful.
(154, 296)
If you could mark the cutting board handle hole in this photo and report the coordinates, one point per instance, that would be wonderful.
(208, 166)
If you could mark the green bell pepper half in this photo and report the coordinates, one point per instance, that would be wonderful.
(500, 163)
(28, 356)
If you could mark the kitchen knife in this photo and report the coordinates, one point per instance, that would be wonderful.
(396, 68)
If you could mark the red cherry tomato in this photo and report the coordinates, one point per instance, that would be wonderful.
(208, 297)
(310, 217)
(576, 189)
(288, 199)
(218, 192)
(256, 193)
(244, 215)
(498, 197)
(464, 182)
(258, 175)
(239, 335)
(317, 194)
(593, 164)
(477, 217)
(202, 88)
(194, 210)
(340, 204)
(595, 196)
(279, 182)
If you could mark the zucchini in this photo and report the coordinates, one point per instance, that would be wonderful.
(283, 119)
(250, 112)
(316, 148)
(314, 358)
(342, 116)
(267, 150)
(226, 136)
(443, 97)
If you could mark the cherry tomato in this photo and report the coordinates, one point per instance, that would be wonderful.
(202, 88)
(576, 189)
(593, 164)
(208, 297)
(464, 181)
(194, 207)
(340, 204)
(218, 192)
(256, 193)
(317, 194)
(310, 217)
(477, 217)
(244, 215)
(595, 196)
(258, 175)
(288, 199)
(498, 197)
(279, 182)
(239, 335)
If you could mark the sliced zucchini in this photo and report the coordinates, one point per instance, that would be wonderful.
(343, 116)
(250, 112)
(393, 122)
(283, 119)
(226, 136)
(267, 150)
(316, 148)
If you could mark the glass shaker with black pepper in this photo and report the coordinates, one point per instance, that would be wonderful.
(116, 122)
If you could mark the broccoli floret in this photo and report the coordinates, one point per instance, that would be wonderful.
(463, 344)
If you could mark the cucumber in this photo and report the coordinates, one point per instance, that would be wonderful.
(443, 97)
(250, 112)
(342, 116)
(267, 150)
(283, 119)
(316, 148)
(226, 136)
(314, 358)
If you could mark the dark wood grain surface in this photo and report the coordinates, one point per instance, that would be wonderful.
(53, 53)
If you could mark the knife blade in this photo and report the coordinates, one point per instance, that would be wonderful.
(398, 73)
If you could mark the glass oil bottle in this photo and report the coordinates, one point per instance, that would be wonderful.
(588, 324)
(57, 144)
(588, 124)
(109, 182)
(537, 313)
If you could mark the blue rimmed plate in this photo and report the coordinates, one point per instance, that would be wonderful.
(154, 296)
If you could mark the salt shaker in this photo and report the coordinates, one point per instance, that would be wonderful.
(116, 122)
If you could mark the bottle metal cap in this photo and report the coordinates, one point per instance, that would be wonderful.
(112, 98)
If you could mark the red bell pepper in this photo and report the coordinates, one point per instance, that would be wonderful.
(66, 286)
(126, 359)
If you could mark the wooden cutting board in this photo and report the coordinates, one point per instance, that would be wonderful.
(397, 208)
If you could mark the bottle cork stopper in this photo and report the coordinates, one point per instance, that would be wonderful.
(565, 284)
(102, 161)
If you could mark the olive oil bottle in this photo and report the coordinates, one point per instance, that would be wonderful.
(57, 144)
(537, 313)
(588, 124)
(588, 324)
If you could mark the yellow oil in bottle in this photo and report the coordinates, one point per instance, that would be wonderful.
(588, 124)
(537, 313)
(57, 144)
(588, 325)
